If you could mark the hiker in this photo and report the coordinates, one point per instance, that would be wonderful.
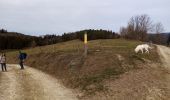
(168, 40)
(3, 62)
(22, 57)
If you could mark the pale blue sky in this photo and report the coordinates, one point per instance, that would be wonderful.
(38, 17)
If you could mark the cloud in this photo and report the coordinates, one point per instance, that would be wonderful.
(58, 16)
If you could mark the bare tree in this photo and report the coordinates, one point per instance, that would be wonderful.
(123, 32)
(159, 28)
(139, 26)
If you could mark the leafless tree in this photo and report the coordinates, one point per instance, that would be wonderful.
(139, 26)
(123, 32)
(159, 28)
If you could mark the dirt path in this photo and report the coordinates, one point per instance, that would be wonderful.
(164, 53)
(31, 84)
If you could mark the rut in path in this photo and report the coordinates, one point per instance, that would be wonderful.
(31, 84)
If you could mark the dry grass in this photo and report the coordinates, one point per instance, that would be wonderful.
(106, 60)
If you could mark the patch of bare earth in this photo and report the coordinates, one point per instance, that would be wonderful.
(150, 82)
(142, 84)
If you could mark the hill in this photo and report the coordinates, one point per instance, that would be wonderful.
(110, 71)
(14, 40)
(159, 38)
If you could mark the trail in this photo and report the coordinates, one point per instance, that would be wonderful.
(164, 53)
(31, 84)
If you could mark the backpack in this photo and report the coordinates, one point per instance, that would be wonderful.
(23, 56)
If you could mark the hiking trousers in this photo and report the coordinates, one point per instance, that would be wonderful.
(3, 65)
(21, 64)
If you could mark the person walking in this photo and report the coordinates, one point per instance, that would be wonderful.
(22, 57)
(168, 40)
(3, 62)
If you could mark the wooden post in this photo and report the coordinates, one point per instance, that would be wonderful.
(85, 44)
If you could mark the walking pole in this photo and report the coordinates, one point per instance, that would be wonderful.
(85, 45)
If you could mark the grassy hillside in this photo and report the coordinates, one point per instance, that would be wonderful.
(106, 61)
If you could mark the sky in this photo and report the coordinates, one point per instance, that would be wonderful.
(40, 17)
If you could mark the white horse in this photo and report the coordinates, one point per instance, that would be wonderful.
(143, 47)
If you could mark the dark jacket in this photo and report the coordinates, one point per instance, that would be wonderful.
(21, 56)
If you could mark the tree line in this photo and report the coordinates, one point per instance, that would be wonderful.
(13, 40)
